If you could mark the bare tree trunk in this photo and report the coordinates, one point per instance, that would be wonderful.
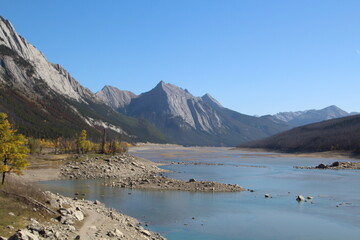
(3, 178)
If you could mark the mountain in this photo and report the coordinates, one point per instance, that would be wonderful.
(115, 98)
(189, 120)
(340, 134)
(43, 100)
(301, 118)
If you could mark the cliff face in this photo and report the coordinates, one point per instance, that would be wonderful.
(57, 78)
(44, 100)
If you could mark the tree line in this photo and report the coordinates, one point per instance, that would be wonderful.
(15, 148)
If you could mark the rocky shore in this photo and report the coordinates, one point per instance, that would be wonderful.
(82, 219)
(127, 171)
(334, 166)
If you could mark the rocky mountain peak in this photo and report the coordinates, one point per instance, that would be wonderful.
(115, 97)
(53, 75)
(173, 90)
(210, 100)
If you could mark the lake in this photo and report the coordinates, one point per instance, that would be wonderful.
(334, 212)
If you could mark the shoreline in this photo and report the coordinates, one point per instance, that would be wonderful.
(327, 154)
(72, 218)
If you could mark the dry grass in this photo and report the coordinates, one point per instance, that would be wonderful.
(13, 200)
(47, 160)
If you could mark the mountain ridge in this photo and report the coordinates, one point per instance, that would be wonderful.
(190, 120)
(300, 118)
(44, 100)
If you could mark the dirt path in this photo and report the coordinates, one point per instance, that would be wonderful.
(92, 222)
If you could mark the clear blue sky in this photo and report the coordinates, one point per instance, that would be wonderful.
(256, 57)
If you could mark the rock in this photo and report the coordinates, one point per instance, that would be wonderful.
(97, 202)
(34, 221)
(146, 233)
(335, 164)
(11, 214)
(115, 233)
(57, 235)
(36, 228)
(65, 220)
(2, 238)
(69, 222)
(321, 166)
(300, 198)
(310, 197)
(63, 211)
(192, 180)
(267, 195)
(71, 228)
(53, 203)
(79, 215)
(47, 233)
(24, 234)
(10, 227)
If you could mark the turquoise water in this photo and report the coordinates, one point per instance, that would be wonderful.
(245, 215)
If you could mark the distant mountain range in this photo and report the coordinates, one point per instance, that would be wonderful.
(301, 118)
(341, 134)
(43, 100)
(190, 120)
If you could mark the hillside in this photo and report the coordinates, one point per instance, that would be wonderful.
(43, 100)
(342, 134)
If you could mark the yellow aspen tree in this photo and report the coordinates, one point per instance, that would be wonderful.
(81, 142)
(13, 151)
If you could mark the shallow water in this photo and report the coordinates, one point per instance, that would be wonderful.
(245, 215)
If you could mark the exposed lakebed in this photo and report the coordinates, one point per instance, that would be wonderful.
(333, 213)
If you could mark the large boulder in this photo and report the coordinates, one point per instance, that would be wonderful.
(79, 215)
(335, 164)
(321, 166)
(300, 198)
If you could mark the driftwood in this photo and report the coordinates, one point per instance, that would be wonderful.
(31, 201)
